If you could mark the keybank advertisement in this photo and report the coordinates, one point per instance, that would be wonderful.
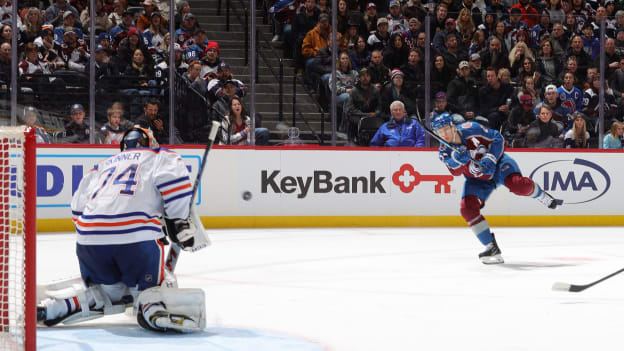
(344, 182)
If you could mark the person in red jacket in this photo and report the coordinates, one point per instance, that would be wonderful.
(529, 13)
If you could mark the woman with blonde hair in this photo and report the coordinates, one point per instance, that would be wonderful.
(613, 140)
(164, 45)
(578, 136)
(346, 77)
(31, 27)
(504, 76)
(517, 55)
(465, 24)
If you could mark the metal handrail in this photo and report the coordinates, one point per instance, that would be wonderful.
(244, 23)
(320, 108)
(280, 77)
(259, 54)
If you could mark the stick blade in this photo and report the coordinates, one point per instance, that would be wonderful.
(559, 286)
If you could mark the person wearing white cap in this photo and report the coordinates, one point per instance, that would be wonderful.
(380, 39)
(463, 92)
(69, 24)
(54, 13)
(560, 112)
(144, 20)
(397, 23)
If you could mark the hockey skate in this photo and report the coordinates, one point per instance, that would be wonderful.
(547, 200)
(492, 253)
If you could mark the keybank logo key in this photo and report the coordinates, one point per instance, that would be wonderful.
(583, 181)
(406, 178)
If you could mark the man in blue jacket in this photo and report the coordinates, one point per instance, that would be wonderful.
(400, 131)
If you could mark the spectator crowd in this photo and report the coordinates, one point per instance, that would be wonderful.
(131, 70)
(527, 68)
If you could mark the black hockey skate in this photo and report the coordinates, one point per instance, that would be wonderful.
(492, 253)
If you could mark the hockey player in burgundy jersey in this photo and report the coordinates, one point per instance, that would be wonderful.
(478, 153)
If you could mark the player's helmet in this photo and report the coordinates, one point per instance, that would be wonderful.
(137, 137)
(30, 110)
(441, 120)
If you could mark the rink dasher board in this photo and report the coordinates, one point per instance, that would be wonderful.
(357, 187)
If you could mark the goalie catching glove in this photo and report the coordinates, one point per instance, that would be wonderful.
(189, 234)
(181, 232)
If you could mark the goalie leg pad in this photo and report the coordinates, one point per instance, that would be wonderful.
(90, 303)
(164, 309)
(62, 289)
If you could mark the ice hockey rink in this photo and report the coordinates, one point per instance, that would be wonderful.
(376, 289)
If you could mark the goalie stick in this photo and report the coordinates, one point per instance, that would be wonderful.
(558, 286)
(174, 249)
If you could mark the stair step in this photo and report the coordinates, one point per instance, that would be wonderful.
(232, 51)
(207, 22)
(263, 107)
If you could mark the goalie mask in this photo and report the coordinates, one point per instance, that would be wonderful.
(137, 137)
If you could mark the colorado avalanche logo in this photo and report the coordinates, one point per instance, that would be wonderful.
(569, 104)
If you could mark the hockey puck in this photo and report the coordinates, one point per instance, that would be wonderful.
(247, 195)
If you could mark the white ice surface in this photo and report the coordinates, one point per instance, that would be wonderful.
(377, 289)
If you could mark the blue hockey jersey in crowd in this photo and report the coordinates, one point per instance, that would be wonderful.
(404, 133)
(572, 99)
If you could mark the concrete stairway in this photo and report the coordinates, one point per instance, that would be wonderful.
(232, 50)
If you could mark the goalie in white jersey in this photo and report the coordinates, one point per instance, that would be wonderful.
(120, 243)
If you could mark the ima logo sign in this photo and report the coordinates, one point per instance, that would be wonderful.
(582, 181)
(406, 178)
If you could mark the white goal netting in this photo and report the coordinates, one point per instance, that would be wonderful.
(12, 240)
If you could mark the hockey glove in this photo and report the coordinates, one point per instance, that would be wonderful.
(181, 232)
(461, 156)
(488, 164)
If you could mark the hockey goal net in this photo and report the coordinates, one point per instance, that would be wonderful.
(17, 239)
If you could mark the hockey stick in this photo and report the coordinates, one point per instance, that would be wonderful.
(558, 286)
(174, 249)
(438, 138)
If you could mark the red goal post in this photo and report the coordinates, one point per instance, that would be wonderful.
(18, 196)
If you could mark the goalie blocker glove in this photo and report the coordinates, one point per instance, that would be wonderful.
(181, 232)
